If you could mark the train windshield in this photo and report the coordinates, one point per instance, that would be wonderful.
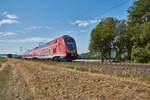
(71, 46)
(70, 43)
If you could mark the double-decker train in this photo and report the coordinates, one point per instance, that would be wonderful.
(60, 49)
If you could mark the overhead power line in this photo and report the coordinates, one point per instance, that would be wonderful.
(115, 7)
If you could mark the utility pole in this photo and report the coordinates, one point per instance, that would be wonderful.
(20, 50)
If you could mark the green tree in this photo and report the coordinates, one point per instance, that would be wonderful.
(139, 10)
(141, 55)
(123, 40)
(111, 33)
(139, 27)
(102, 37)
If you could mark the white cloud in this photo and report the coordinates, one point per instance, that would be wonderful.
(8, 19)
(94, 21)
(11, 16)
(4, 34)
(29, 40)
(81, 23)
(37, 27)
(85, 23)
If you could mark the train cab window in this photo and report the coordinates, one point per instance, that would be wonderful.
(71, 46)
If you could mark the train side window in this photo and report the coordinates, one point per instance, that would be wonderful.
(54, 50)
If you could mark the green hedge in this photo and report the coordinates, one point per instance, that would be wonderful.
(141, 55)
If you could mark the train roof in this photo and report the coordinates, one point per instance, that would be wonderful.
(48, 43)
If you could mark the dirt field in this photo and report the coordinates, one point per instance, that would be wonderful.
(38, 81)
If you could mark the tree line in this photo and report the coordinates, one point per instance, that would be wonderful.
(130, 38)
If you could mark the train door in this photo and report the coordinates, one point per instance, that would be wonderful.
(49, 51)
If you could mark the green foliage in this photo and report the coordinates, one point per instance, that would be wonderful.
(141, 55)
(137, 12)
(111, 33)
(141, 35)
(140, 30)
(146, 35)
(102, 35)
(123, 40)
(132, 38)
(89, 55)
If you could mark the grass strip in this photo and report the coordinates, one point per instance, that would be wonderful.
(2, 60)
(4, 79)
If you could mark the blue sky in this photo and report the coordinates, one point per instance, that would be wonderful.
(25, 23)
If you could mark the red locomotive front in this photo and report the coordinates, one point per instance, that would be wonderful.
(71, 52)
(64, 48)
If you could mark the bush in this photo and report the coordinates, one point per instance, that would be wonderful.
(141, 55)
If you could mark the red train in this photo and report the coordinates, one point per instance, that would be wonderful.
(60, 49)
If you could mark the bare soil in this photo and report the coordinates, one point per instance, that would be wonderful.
(38, 81)
(12, 85)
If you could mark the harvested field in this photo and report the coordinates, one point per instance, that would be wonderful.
(12, 85)
(38, 81)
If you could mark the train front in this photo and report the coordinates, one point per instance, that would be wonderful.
(71, 52)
